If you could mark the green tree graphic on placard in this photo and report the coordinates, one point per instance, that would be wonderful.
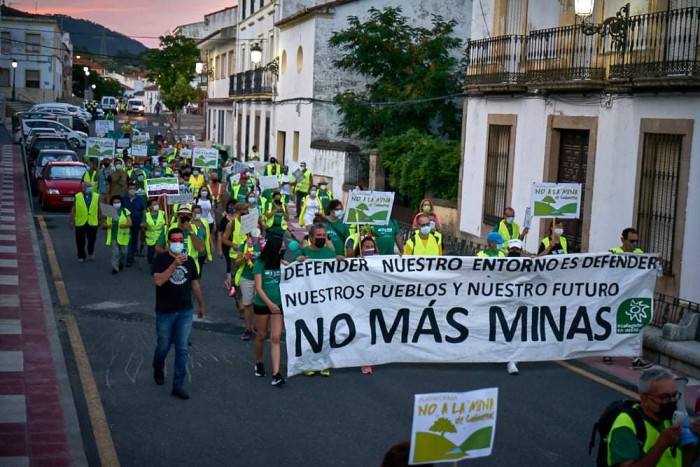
(443, 425)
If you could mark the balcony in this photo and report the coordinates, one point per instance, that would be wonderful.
(251, 82)
(662, 50)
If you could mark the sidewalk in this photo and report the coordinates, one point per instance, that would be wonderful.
(38, 421)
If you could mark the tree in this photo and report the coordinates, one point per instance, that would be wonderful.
(418, 163)
(178, 96)
(409, 70)
(443, 425)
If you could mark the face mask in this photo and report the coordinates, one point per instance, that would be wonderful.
(215, 180)
(140, 178)
(510, 219)
(88, 190)
(426, 208)
(118, 166)
(117, 205)
(132, 192)
(164, 164)
(230, 210)
(312, 192)
(514, 254)
(432, 225)
(155, 207)
(499, 246)
(559, 232)
(277, 201)
(195, 173)
(368, 252)
(184, 220)
(255, 233)
(204, 193)
(251, 200)
(319, 242)
(425, 230)
(634, 245)
(177, 247)
(197, 216)
(323, 187)
(338, 213)
(666, 410)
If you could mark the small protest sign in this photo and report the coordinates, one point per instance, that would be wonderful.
(103, 127)
(206, 158)
(298, 175)
(139, 150)
(186, 153)
(123, 143)
(249, 221)
(142, 138)
(369, 207)
(99, 147)
(269, 182)
(109, 211)
(556, 200)
(185, 196)
(162, 186)
(450, 426)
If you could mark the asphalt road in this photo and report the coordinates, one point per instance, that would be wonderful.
(545, 414)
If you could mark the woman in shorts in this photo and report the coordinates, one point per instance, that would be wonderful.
(248, 254)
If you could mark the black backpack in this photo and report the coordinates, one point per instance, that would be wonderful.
(605, 423)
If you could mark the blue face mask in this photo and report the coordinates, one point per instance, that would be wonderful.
(251, 200)
(510, 219)
(338, 213)
(177, 248)
(499, 246)
(88, 190)
(425, 229)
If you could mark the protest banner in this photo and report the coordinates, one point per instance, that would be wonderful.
(99, 148)
(139, 150)
(451, 426)
(382, 309)
(269, 182)
(205, 158)
(162, 186)
(103, 127)
(109, 211)
(561, 200)
(185, 196)
(249, 221)
(142, 138)
(368, 207)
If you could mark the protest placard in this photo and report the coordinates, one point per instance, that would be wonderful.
(368, 207)
(269, 182)
(186, 196)
(450, 426)
(123, 143)
(381, 309)
(109, 211)
(139, 150)
(99, 148)
(556, 200)
(103, 127)
(298, 175)
(162, 186)
(142, 138)
(186, 154)
(205, 158)
(249, 221)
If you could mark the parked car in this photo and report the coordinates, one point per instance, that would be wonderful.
(58, 182)
(35, 132)
(135, 106)
(42, 142)
(77, 139)
(109, 104)
(58, 106)
(18, 117)
(50, 155)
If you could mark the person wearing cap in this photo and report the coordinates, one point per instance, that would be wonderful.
(494, 246)
(324, 194)
(515, 248)
(508, 228)
(422, 242)
(252, 174)
(302, 186)
(273, 168)
(183, 221)
(254, 154)
(555, 243)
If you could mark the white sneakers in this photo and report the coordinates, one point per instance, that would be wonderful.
(512, 368)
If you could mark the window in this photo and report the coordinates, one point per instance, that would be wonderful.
(658, 194)
(6, 41)
(497, 163)
(243, 5)
(295, 147)
(5, 78)
(32, 43)
(283, 64)
(300, 59)
(32, 79)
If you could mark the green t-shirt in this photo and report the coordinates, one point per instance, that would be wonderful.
(324, 253)
(324, 196)
(248, 270)
(623, 445)
(270, 284)
(385, 236)
(338, 232)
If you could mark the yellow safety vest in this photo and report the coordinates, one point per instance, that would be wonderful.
(83, 214)
(155, 228)
(90, 176)
(305, 184)
(482, 254)
(503, 230)
(438, 236)
(123, 233)
(207, 239)
(432, 248)
(236, 237)
(239, 271)
(618, 249)
(196, 183)
(269, 221)
(215, 198)
(268, 169)
(562, 242)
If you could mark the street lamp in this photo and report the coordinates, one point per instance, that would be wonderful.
(256, 54)
(14, 76)
(87, 73)
(615, 26)
(198, 67)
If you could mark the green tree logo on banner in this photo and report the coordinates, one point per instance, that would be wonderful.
(633, 314)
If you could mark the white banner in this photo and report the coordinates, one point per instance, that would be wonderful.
(556, 200)
(162, 186)
(186, 153)
(369, 207)
(382, 309)
(450, 426)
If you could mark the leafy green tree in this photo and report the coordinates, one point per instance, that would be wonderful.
(176, 58)
(178, 96)
(443, 425)
(412, 66)
(418, 163)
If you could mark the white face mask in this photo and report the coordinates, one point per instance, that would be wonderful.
(559, 231)
(255, 233)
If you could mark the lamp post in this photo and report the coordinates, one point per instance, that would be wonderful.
(14, 76)
(86, 70)
(615, 26)
(256, 54)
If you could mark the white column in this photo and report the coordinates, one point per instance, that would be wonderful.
(263, 125)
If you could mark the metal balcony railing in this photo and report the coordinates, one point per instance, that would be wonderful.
(659, 45)
(256, 81)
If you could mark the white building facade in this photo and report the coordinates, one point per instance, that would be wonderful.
(549, 103)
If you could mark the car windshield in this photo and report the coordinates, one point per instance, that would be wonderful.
(40, 145)
(50, 157)
(64, 172)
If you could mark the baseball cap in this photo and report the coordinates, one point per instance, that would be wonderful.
(515, 243)
(184, 209)
(494, 237)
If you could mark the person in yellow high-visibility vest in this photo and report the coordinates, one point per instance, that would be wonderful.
(509, 229)
(201, 229)
(275, 215)
(197, 180)
(153, 226)
(424, 242)
(118, 233)
(494, 246)
(84, 219)
(302, 186)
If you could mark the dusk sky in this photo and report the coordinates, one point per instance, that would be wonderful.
(131, 17)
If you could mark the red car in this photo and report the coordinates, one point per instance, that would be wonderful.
(59, 182)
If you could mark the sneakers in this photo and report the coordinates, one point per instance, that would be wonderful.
(366, 370)
(512, 368)
(309, 373)
(277, 380)
(247, 334)
(639, 363)
(180, 394)
(91, 257)
(607, 360)
(81, 260)
(260, 370)
(325, 372)
(159, 377)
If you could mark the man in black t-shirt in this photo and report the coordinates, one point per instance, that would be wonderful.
(176, 278)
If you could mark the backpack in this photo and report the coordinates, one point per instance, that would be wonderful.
(605, 423)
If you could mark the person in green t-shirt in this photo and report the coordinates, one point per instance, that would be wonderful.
(248, 253)
(338, 231)
(267, 306)
(387, 236)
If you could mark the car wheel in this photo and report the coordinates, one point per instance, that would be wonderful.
(75, 144)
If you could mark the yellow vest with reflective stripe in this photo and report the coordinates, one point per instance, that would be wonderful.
(503, 230)
(123, 233)
(196, 182)
(83, 214)
(305, 184)
(269, 221)
(207, 239)
(562, 242)
(432, 248)
(236, 237)
(155, 228)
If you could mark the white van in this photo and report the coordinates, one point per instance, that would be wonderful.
(109, 104)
